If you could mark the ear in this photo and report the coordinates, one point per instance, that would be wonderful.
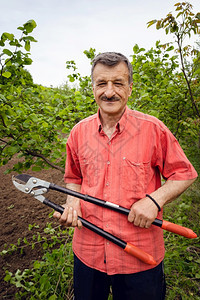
(93, 88)
(130, 88)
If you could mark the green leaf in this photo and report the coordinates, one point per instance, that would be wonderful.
(36, 169)
(45, 124)
(150, 23)
(29, 26)
(8, 276)
(7, 52)
(170, 48)
(136, 49)
(29, 38)
(6, 74)
(7, 36)
(53, 297)
(27, 46)
(28, 61)
(37, 265)
(71, 78)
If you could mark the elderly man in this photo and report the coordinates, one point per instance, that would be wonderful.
(119, 155)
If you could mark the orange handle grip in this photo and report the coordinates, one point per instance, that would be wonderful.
(140, 254)
(184, 231)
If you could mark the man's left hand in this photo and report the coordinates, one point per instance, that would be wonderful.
(143, 213)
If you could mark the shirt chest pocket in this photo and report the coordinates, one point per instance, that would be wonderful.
(134, 176)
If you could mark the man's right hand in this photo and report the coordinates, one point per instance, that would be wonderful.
(69, 218)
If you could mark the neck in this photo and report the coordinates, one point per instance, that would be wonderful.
(110, 121)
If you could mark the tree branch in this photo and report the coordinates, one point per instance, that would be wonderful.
(36, 154)
(185, 76)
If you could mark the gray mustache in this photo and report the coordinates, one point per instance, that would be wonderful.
(113, 98)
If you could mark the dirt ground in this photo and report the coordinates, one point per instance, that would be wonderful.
(18, 210)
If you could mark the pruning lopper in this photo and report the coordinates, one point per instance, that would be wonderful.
(37, 187)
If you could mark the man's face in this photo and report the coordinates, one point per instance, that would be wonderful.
(111, 88)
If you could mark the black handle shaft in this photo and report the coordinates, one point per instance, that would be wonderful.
(128, 248)
(90, 226)
(98, 201)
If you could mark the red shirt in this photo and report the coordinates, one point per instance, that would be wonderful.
(121, 170)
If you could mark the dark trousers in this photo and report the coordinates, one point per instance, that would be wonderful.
(90, 284)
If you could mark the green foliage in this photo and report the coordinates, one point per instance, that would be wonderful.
(166, 79)
(181, 26)
(50, 278)
(182, 258)
(159, 89)
(184, 23)
(11, 55)
(35, 121)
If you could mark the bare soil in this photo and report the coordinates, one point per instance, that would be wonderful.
(18, 210)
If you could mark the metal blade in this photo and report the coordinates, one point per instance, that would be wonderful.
(22, 178)
(26, 183)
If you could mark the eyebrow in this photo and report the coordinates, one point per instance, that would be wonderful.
(100, 80)
(115, 80)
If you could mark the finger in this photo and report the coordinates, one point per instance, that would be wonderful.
(80, 225)
(142, 223)
(137, 221)
(148, 224)
(56, 215)
(75, 219)
(131, 216)
(69, 217)
(64, 216)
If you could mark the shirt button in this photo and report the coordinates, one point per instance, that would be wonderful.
(124, 157)
(108, 162)
(107, 225)
(109, 143)
(108, 243)
(107, 183)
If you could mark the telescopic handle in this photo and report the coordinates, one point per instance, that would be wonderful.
(129, 248)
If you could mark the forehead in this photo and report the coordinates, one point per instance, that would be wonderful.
(104, 72)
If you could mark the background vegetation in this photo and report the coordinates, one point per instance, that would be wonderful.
(35, 122)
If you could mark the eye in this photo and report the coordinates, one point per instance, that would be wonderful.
(119, 84)
(101, 84)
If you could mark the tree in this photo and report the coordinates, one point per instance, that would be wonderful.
(34, 120)
(183, 25)
(17, 58)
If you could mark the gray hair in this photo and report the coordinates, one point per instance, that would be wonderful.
(112, 59)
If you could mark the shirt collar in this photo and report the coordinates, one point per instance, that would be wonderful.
(119, 126)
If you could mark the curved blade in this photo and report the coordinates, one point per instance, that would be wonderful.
(26, 183)
(20, 182)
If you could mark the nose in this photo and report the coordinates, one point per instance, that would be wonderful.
(109, 92)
